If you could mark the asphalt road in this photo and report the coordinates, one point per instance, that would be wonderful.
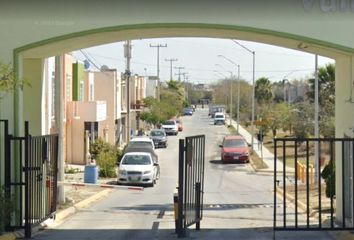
(238, 201)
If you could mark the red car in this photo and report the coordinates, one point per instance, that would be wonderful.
(180, 126)
(234, 148)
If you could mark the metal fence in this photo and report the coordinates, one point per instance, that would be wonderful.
(305, 175)
(31, 164)
(190, 183)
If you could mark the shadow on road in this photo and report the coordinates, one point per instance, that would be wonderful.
(157, 233)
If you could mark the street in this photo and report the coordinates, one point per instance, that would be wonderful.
(238, 202)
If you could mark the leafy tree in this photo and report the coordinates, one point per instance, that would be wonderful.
(326, 81)
(263, 91)
(275, 117)
(303, 120)
(8, 79)
(170, 105)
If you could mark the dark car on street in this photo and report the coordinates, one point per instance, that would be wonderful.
(187, 111)
(159, 137)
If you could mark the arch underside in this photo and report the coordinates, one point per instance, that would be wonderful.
(94, 37)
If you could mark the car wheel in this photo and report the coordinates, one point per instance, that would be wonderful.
(157, 175)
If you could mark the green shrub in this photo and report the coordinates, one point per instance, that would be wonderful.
(6, 209)
(107, 161)
(107, 157)
(329, 175)
(99, 146)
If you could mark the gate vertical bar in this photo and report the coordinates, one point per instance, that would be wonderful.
(343, 185)
(307, 185)
(352, 159)
(275, 186)
(284, 183)
(180, 220)
(197, 209)
(319, 187)
(202, 177)
(296, 196)
(27, 182)
(332, 164)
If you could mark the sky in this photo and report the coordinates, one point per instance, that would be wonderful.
(199, 57)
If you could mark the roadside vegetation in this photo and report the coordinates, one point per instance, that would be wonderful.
(172, 101)
(278, 115)
(107, 157)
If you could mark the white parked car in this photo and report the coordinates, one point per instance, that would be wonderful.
(170, 127)
(138, 168)
(219, 118)
(141, 142)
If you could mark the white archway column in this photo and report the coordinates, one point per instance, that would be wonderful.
(33, 70)
(344, 117)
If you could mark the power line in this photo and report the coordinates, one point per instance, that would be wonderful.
(179, 73)
(208, 70)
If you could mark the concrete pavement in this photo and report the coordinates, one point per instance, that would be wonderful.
(260, 149)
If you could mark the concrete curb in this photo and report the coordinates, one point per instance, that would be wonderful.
(342, 235)
(62, 215)
(8, 236)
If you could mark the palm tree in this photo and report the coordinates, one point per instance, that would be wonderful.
(263, 91)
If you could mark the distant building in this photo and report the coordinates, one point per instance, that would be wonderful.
(151, 87)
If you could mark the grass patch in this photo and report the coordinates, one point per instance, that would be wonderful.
(72, 170)
(231, 129)
(257, 162)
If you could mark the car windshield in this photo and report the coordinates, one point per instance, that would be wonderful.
(137, 144)
(219, 116)
(157, 133)
(169, 123)
(234, 143)
(136, 160)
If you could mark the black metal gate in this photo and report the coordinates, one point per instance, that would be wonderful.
(31, 164)
(305, 174)
(190, 183)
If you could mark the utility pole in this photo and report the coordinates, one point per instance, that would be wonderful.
(179, 73)
(59, 118)
(127, 55)
(171, 60)
(158, 46)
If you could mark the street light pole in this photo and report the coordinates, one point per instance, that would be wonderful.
(238, 89)
(238, 99)
(231, 76)
(253, 87)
